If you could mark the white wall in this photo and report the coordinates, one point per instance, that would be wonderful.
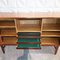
(29, 5)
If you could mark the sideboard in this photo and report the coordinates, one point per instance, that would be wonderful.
(29, 30)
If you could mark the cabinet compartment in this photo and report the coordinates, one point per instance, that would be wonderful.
(8, 32)
(51, 24)
(28, 25)
(51, 27)
(51, 34)
(7, 24)
(9, 40)
(50, 41)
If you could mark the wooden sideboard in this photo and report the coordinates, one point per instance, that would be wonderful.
(11, 24)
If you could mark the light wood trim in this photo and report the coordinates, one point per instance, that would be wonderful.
(50, 34)
(42, 26)
(15, 20)
(7, 26)
(30, 15)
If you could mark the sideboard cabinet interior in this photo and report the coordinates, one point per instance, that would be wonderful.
(47, 29)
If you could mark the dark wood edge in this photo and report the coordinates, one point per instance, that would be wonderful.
(28, 48)
(29, 18)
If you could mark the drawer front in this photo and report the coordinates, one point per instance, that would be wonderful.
(28, 33)
(34, 40)
(24, 46)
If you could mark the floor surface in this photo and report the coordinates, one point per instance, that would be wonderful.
(46, 53)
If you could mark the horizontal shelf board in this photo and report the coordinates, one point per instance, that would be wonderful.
(49, 41)
(7, 26)
(7, 35)
(50, 30)
(28, 33)
(51, 27)
(28, 46)
(50, 34)
(29, 40)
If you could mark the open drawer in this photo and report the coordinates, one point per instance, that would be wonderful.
(28, 46)
(28, 40)
(28, 33)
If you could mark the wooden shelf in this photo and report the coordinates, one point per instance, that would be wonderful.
(7, 24)
(29, 34)
(50, 34)
(51, 27)
(27, 27)
(50, 41)
(9, 40)
(7, 32)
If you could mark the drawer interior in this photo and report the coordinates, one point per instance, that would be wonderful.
(29, 40)
(28, 46)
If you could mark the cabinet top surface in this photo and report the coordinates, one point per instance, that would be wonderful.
(30, 15)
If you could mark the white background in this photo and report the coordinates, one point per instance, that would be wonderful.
(29, 5)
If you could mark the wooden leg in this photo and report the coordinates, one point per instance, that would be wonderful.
(2, 47)
(56, 49)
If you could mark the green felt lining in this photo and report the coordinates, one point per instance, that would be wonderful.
(29, 40)
(28, 33)
(28, 46)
